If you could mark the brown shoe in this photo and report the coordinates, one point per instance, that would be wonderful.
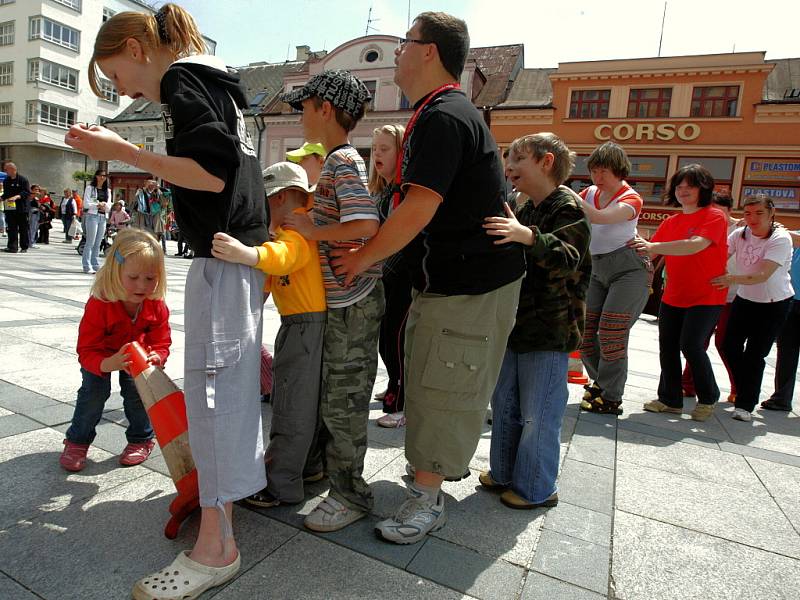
(486, 481)
(658, 406)
(512, 500)
(702, 412)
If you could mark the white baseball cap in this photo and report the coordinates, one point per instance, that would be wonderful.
(283, 175)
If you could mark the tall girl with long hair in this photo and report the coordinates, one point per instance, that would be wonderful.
(96, 198)
(763, 298)
(218, 187)
(387, 142)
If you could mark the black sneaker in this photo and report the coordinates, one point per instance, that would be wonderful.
(263, 499)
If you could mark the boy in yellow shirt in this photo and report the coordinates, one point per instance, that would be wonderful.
(294, 278)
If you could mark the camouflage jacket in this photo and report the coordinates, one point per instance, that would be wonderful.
(552, 304)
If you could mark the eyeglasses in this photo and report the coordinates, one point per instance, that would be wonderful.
(403, 41)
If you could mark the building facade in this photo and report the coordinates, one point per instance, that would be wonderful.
(45, 48)
(737, 114)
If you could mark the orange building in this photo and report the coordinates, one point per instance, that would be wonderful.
(737, 114)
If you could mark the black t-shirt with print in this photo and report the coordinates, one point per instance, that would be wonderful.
(451, 152)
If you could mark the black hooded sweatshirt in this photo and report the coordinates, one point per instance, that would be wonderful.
(202, 122)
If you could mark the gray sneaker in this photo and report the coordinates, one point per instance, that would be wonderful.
(415, 518)
(332, 515)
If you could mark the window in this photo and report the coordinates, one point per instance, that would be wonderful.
(372, 87)
(54, 32)
(589, 104)
(73, 4)
(50, 114)
(107, 13)
(149, 143)
(52, 73)
(5, 113)
(649, 103)
(6, 73)
(371, 56)
(109, 91)
(7, 33)
(715, 101)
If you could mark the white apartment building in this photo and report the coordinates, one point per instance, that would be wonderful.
(45, 47)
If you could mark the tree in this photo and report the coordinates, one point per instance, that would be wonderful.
(83, 176)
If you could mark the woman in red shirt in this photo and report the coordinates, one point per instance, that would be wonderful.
(695, 246)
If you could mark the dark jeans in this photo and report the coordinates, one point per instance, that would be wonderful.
(788, 351)
(752, 329)
(391, 343)
(687, 380)
(92, 396)
(17, 223)
(685, 330)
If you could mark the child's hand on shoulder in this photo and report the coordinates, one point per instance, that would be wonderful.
(229, 249)
(117, 362)
(508, 228)
(301, 223)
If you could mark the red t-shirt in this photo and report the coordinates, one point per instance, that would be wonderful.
(106, 327)
(689, 277)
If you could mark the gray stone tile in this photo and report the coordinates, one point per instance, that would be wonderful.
(740, 515)
(580, 523)
(542, 587)
(136, 513)
(768, 455)
(572, 560)
(61, 336)
(588, 486)
(312, 568)
(657, 560)
(11, 590)
(594, 443)
(671, 434)
(790, 508)
(683, 423)
(686, 459)
(54, 414)
(770, 430)
(20, 400)
(62, 388)
(780, 480)
(5, 413)
(22, 354)
(14, 424)
(467, 571)
(34, 484)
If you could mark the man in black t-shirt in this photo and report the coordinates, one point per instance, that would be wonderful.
(466, 288)
(16, 193)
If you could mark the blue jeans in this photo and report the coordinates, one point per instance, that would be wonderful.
(528, 406)
(92, 396)
(94, 229)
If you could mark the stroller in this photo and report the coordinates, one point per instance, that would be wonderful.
(108, 239)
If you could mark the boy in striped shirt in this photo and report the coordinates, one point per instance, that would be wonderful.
(344, 216)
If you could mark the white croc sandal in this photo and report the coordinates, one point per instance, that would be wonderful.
(184, 579)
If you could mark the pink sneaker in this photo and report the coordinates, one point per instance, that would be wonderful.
(73, 458)
(136, 454)
(392, 420)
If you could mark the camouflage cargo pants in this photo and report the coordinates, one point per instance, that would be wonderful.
(349, 363)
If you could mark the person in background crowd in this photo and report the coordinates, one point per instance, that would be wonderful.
(619, 285)
(310, 156)
(96, 203)
(119, 217)
(723, 202)
(763, 299)
(67, 210)
(33, 216)
(16, 193)
(788, 342)
(694, 243)
(387, 142)
(46, 214)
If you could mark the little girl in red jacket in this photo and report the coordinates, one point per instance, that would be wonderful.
(126, 305)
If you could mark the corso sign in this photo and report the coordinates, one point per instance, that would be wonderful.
(647, 131)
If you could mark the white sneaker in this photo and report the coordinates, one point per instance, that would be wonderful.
(741, 414)
(332, 515)
(392, 420)
(416, 517)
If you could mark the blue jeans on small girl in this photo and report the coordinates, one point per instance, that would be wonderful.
(92, 397)
(528, 406)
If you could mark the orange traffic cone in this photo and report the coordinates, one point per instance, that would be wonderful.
(575, 372)
(165, 406)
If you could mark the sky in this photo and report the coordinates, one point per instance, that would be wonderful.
(556, 31)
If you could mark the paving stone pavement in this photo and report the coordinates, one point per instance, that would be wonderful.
(652, 506)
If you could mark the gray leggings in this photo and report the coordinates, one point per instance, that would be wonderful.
(618, 291)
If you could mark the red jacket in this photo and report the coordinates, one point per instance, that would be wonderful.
(106, 327)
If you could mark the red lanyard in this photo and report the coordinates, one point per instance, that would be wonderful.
(398, 174)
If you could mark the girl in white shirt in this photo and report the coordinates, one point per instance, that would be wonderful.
(763, 258)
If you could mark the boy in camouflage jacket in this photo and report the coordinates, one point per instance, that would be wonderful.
(531, 394)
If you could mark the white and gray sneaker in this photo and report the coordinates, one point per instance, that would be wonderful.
(417, 517)
(332, 515)
(741, 414)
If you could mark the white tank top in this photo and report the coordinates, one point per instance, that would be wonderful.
(609, 237)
